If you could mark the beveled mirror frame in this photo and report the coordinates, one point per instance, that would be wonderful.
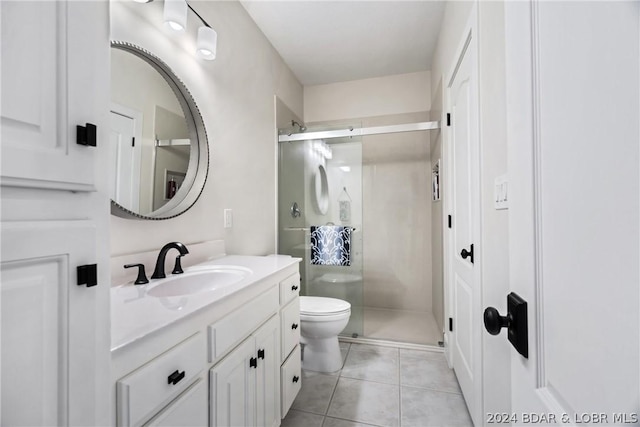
(198, 169)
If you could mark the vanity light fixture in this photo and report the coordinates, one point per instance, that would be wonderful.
(206, 45)
(175, 17)
(175, 14)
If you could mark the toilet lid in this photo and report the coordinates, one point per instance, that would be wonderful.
(318, 306)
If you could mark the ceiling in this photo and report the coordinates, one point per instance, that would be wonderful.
(335, 41)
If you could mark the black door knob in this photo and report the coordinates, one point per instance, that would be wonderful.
(493, 322)
(515, 321)
(467, 253)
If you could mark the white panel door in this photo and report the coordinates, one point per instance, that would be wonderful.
(49, 50)
(463, 240)
(124, 161)
(48, 324)
(268, 373)
(232, 388)
(573, 130)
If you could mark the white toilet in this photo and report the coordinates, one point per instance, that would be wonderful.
(321, 320)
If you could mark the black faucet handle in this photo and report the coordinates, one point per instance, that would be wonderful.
(177, 269)
(142, 275)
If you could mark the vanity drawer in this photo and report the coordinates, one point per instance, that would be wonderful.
(229, 331)
(289, 288)
(147, 389)
(189, 409)
(290, 380)
(290, 327)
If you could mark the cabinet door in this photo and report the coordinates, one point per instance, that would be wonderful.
(48, 325)
(268, 374)
(232, 388)
(54, 70)
(188, 410)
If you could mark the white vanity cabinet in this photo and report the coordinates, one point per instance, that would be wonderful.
(291, 362)
(244, 386)
(230, 357)
(55, 214)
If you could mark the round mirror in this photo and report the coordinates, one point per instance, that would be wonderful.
(158, 150)
(321, 185)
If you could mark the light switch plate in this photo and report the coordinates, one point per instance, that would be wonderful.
(501, 192)
(228, 218)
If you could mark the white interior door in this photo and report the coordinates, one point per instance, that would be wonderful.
(124, 160)
(573, 130)
(464, 274)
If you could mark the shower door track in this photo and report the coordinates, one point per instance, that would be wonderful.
(375, 130)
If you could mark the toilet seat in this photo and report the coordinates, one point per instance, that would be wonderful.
(339, 278)
(322, 309)
(323, 306)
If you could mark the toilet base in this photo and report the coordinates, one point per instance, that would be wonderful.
(321, 354)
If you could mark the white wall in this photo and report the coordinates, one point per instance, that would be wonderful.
(235, 94)
(493, 154)
(495, 223)
(380, 96)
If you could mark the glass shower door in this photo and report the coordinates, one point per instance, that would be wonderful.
(320, 190)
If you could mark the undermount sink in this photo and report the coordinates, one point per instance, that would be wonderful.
(198, 280)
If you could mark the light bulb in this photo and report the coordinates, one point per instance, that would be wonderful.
(175, 14)
(206, 45)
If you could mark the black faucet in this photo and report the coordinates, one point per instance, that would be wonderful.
(158, 273)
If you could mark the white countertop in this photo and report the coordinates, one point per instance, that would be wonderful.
(135, 314)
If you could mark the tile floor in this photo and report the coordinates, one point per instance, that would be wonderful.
(381, 386)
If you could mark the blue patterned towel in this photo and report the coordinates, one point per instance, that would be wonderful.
(331, 245)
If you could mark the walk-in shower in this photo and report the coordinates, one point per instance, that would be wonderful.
(375, 181)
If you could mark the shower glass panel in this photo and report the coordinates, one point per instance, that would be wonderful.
(319, 184)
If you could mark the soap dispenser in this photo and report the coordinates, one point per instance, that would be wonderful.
(344, 202)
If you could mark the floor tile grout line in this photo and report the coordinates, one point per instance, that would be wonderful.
(399, 392)
(344, 361)
(355, 421)
(431, 389)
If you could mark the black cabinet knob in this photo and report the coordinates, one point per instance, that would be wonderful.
(175, 377)
(294, 326)
(296, 379)
(261, 354)
(253, 363)
(294, 288)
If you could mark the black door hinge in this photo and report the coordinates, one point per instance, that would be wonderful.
(449, 220)
(87, 135)
(448, 119)
(450, 324)
(88, 275)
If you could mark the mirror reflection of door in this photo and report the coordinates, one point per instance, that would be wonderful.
(163, 144)
(124, 158)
